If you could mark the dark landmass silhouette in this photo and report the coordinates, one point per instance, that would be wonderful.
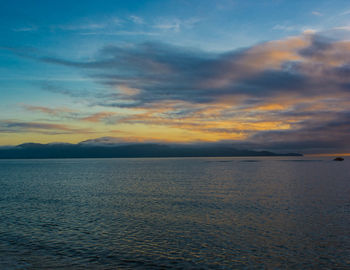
(130, 150)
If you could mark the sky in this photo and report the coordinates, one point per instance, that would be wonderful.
(272, 75)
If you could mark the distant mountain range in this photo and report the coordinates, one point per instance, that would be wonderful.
(89, 149)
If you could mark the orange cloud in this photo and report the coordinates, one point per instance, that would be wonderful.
(97, 117)
(47, 110)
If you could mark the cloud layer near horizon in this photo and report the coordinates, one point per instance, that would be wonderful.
(291, 94)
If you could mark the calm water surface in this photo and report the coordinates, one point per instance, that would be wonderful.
(193, 213)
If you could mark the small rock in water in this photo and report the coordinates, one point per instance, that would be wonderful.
(338, 159)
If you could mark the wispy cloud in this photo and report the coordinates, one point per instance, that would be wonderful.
(136, 19)
(175, 24)
(97, 117)
(86, 25)
(120, 33)
(344, 28)
(46, 110)
(346, 12)
(13, 126)
(169, 25)
(75, 27)
(31, 28)
(284, 27)
(316, 13)
(70, 113)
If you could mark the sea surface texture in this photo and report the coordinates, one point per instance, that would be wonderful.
(175, 213)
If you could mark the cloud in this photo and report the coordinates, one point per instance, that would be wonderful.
(283, 27)
(313, 135)
(316, 13)
(31, 28)
(175, 24)
(120, 33)
(136, 19)
(113, 141)
(347, 12)
(11, 126)
(89, 25)
(97, 117)
(70, 113)
(57, 89)
(286, 92)
(51, 111)
(80, 26)
(344, 27)
(164, 72)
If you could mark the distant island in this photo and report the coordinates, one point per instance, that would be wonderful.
(127, 150)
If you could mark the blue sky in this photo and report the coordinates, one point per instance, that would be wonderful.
(62, 27)
(100, 67)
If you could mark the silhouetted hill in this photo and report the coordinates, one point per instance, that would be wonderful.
(83, 150)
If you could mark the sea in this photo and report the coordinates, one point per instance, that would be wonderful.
(175, 213)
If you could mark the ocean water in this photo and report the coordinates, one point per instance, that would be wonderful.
(175, 213)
